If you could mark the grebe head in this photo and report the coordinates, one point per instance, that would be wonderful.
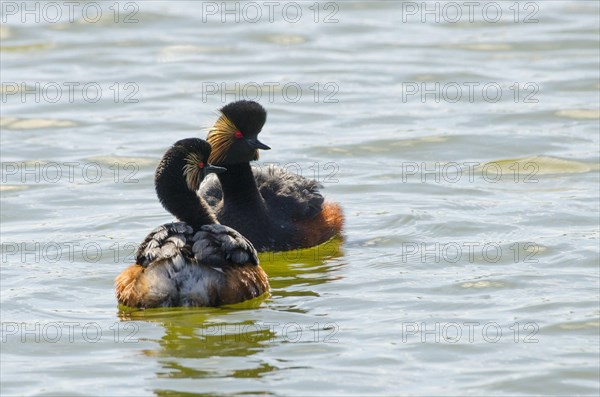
(234, 136)
(178, 177)
(189, 157)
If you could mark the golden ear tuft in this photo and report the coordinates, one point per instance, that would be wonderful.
(191, 171)
(220, 137)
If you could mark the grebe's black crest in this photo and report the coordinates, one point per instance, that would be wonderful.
(234, 136)
(249, 115)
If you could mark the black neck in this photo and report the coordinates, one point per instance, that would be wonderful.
(179, 200)
(239, 186)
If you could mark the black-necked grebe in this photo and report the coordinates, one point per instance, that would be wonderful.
(275, 209)
(194, 262)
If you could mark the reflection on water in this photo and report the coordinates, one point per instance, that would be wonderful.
(294, 272)
(205, 336)
(201, 343)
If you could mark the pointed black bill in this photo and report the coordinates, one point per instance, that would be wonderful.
(213, 169)
(256, 144)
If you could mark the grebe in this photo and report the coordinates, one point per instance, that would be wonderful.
(197, 261)
(276, 210)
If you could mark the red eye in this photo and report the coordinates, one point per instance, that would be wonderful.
(201, 164)
(239, 135)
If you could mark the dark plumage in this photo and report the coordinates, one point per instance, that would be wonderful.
(281, 190)
(275, 209)
(195, 262)
(212, 245)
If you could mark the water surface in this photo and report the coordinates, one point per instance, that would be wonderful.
(469, 264)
